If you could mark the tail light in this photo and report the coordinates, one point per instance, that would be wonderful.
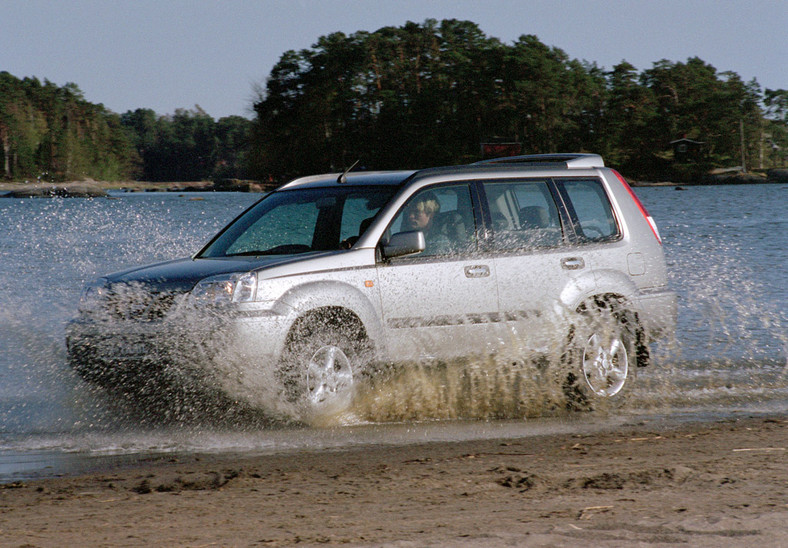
(641, 207)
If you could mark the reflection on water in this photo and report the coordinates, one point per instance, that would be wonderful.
(725, 248)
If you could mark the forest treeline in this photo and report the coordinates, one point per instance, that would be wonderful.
(52, 133)
(406, 97)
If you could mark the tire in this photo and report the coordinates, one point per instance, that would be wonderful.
(322, 363)
(603, 357)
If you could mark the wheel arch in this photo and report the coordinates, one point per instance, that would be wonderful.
(325, 316)
(337, 302)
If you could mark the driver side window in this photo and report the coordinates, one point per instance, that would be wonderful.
(444, 214)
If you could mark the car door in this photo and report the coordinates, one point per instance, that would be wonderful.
(536, 265)
(440, 302)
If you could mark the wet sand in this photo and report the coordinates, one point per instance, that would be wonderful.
(701, 484)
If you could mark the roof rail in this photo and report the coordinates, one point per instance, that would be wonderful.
(574, 160)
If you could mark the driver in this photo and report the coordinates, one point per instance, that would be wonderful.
(420, 215)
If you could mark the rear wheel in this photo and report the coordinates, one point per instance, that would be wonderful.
(602, 357)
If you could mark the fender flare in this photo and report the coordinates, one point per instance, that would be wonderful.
(310, 296)
(578, 290)
(612, 282)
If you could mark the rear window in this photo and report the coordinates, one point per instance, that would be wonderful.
(589, 209)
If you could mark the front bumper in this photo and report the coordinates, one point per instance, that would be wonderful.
(213, 350)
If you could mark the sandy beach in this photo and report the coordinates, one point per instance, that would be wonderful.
(721, 483)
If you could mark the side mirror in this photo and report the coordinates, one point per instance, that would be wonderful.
(404, 243)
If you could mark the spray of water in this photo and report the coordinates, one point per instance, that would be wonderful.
(731, 348)
(206, 377)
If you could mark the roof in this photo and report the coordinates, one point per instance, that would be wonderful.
(395, 178)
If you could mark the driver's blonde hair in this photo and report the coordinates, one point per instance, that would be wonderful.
(427, 203)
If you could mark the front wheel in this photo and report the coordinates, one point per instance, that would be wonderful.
(602, 357)
(329, 378)
(321, 365)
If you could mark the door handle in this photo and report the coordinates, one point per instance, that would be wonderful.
(477, 271)
(572, 263)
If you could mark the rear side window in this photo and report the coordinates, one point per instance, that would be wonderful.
(590, 209)
(523, 215)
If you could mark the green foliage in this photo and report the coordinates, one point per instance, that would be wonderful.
(429, 94)
(52, 133)
(188, 145)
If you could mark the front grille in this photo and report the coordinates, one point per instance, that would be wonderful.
(139, 305)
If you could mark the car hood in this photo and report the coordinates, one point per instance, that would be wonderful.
(183, 274)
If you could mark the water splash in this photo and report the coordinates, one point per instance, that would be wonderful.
(730, 350)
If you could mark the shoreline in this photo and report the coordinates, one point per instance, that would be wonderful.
(721, 483)
(97, 189)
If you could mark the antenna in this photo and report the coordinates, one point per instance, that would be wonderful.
(342, 178)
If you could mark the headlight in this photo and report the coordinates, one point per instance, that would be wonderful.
(225, 288)
(92, 294)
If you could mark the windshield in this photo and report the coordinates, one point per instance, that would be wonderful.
(297, 221)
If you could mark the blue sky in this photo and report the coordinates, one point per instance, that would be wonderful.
(169, 54)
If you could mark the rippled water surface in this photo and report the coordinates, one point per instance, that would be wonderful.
(725, 246)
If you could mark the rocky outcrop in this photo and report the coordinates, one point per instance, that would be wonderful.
(777, 176)
(76, 190)
(225, 185)
(240, 185)
(95, 189)
(735, 178)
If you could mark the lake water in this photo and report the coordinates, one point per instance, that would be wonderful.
(725, 245)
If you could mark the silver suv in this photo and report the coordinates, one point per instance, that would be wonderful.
(327, 277)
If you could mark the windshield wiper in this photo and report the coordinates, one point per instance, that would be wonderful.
(286, 249)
